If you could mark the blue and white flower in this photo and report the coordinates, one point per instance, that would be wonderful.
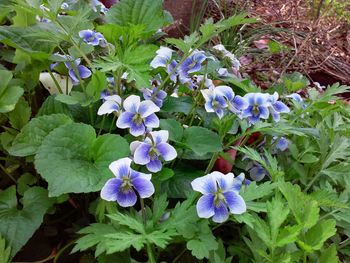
(221, 97)
(153, 150)
(92, 37)
(258, 107)
(138, 115)
(297, 98)
(190, 65)
(163, 57)
(64, 6)
(256, 171)
(122, 188)
(282, 144)
(277, 107)
(223, 72)
(96, 3)
(220, 196)
(83, 71)
(148, 94)
(111, 104)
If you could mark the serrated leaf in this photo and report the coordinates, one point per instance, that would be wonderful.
(329, 255)
(287, 235)
(32, 134)
(126, 220)
(17, 226)
(318, 234)
(253, 191)
(73, 151)
(160, 204)
(277, 212)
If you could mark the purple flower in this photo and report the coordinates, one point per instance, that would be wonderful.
(162, 58)
(152, 150)
(220, 193)
(258, 107)
(138, 115)
(157, 99)
(256, 171)
(223, 72)
(93, 38)
(64, 6)
(190, 65)
(111, 104)
(277, 107)
(83, 71)
(122, 188)
(296, 97)
(221, 97)
(282, 144)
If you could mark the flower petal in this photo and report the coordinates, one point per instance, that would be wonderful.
(257, 173)
(86, 33)
(282, 144)
(110, 190)
(137, 129)
(135, 174)
(160, 136)
(108, 107)
(144, 187)
(84, 72)
(264, 112)
(205, 184)
(151, 121)
(132, 103)
(221, 213)
(237, 183)
(225, 91)
(165, 52)
(235, 202)
(225, 181)
(205, 206)
(159, 61)
(281, 107)
(141, 155)
(121, 167)
(133, 146)
(154, 166)
(167, 151)
(125, 120)
(147, 107)
(240, 103)
(126, 198)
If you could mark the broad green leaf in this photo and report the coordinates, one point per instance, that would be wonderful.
(181, 104)
(5, 251)
(129, 221)
(32, 135)
(23, 17)
(173, 127)
(53, 106)
(96, 85)
(318, 234)
(20, 115)
(9, 95)
(329, 255)
(201, 140)
(146, 12)
(17, 226)
(24, 182)
(73, 151)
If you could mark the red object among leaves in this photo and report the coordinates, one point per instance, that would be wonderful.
(254, 137)
(224, 166)
(108, 3)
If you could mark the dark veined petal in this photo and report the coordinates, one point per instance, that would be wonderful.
(126, 198)
(147, 107)
(141, 155)
(264, 112)
(121, 167)
(132, 103)
(108, 107)
(205, 184)
(221, 212)
(125, 120)
(154, 165)
(257, 173)
(235, 202)
(144, 187)
(137, 129)
(110, 190)
(281, 107)
(167, 151)
(84, 72)
(151, 121)
(205, 206)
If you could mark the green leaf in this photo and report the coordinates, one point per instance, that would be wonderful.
(329, 255)
(295, 81)
(96, 85)
(129, 221)
(318, 234)
(53, 106)
(181, 104)
(203, 243)
(23, 17)
(20, 115)
(277, 213)
(5, 251)
(32, 134)
(73, 151)
(160, 204)
(287, 235)
(24, 182)
(304, 208)
(308, 158)
(146, 12)
(253, 191)
(173, 127)
(201, 140)
(9, 95)
(17, 226)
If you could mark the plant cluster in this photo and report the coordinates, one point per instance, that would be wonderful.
(177, 155)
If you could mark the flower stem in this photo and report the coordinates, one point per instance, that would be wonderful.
(150, 254)
(103, 122)
(56, 82)
(212, 162)
(113, 121)
(7, 173)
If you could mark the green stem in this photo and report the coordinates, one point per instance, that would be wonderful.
(150, 254)
(7, 173)
(56, 82)
(211, 163)
(113, 122)
(62, 250)
(103, 122)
